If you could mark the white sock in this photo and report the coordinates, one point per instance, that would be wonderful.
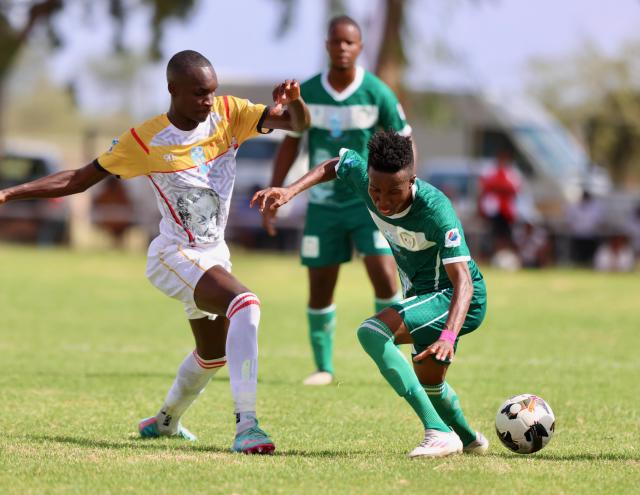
(242, 354)
(193, 375)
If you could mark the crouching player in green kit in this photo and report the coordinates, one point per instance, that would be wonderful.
(444, 292)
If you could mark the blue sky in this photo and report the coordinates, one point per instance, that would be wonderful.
(491, 40)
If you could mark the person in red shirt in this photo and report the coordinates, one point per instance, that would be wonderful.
(498, 192)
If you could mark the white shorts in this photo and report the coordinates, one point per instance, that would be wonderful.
(176, 269)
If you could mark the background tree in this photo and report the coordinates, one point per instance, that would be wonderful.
(19, 20)
(598, 96)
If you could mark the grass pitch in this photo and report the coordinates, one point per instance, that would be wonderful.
(88, 347)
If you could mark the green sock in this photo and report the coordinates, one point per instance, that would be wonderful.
(377, 341)
(322, 327)
(380, 303)
(446, 402)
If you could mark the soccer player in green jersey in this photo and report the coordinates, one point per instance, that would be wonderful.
(444, 292)
(347, 105)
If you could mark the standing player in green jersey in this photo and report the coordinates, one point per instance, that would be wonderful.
(347, 105)
(444, 292)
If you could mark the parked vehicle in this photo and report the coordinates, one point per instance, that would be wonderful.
(43, 221)
(555, 165)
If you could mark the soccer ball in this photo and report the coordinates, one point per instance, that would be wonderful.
(525, 423)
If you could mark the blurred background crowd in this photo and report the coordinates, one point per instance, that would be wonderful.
(526, 114)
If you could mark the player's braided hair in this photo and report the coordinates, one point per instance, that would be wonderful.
(390, 152)
(185, 60)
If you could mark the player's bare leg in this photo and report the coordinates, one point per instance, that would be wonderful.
(379, 336)
(382, 272)
(431, 374)
(193, 375)
(321, 316)
(219, 292)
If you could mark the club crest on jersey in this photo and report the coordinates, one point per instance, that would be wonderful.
(113, 144)
(408, 239)
(452, 238)
(335, 126)
(199, 159)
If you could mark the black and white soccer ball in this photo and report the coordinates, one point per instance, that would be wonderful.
(525, 423)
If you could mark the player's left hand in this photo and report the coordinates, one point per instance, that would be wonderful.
(285, 93)
(442, 349)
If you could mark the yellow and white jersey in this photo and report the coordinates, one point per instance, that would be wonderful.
(192, 172)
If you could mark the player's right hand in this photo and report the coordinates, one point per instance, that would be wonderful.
(271, 198)
(3, 197)
(269, 221)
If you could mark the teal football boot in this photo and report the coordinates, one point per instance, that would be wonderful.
(148, 428)
(253, 440)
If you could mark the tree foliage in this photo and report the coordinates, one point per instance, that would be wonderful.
(599, 95)
(14, 33)
(20, 18)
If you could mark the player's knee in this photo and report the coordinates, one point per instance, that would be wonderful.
(244, 303)
(373, 334)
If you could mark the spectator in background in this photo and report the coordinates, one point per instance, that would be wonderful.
(584, 220)
(615, 254)
(633, 228)
(533, 245)
(499, 188)
(111, 209)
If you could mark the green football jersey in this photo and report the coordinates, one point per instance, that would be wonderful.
(423, 238)
(347, 120)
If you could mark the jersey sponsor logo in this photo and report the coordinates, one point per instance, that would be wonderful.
(452, 238)
(169, 157)
(337, 119)
(200, 211)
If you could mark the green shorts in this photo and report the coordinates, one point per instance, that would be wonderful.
(425, 315)
(331, 234)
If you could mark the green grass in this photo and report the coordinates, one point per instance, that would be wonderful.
(88, 347)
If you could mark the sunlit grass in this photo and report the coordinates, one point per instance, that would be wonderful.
(88, 347)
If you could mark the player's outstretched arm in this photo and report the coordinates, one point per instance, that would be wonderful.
(285, 157)
(56, 185)
(275, 197)
(460, 277)
(296, 116)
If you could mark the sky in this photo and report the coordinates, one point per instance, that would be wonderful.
(490, 41)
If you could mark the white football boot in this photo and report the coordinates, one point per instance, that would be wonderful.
(437, 444)
(479, 446)
(319, 378)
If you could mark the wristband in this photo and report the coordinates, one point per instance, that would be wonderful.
(448, 335)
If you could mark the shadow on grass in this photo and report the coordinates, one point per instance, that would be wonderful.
(151, 445)
(586, 457)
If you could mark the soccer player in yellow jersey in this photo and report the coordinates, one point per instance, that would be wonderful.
(188, 155)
